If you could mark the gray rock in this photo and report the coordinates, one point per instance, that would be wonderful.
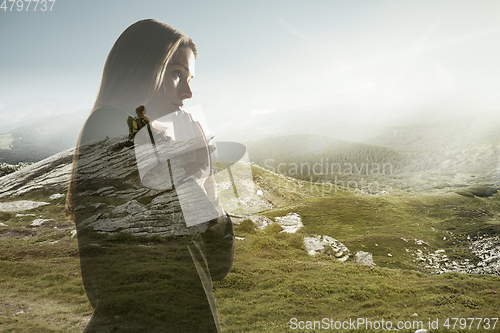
(486, 249)
(132, 207)
(20, 205)
(39, 222)
(97, 205)
(260, 221)
(56, 196)
(290, 223)
(363, 258)
(50, 174)
(326, 245)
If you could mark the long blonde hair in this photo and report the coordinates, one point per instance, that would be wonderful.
(133, 74)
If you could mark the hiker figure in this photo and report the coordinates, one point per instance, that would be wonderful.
(136, 123)
(152, 234)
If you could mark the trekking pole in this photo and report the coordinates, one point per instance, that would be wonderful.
(158, 157)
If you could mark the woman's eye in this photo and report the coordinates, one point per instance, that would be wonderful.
(177, 74)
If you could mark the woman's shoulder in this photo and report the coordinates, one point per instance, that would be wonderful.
(107, 121)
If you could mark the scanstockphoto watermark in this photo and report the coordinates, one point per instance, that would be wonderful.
(479, 324)
(355, 324)
(337, 172)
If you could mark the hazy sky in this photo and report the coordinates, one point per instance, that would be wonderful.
(377, 57)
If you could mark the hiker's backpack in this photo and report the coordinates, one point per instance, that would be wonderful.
(134, 125)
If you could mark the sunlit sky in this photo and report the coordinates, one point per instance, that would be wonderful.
(384, 57)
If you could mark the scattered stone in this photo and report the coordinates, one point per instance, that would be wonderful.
(3, 224)
(487, 251)
(259, 192)
(420, 242)
(39, 222)
(290, 223)
(20, 205)
(18, 313)
(21, 215)
(414, 315)
(260, 221)
(239, 238)
(56, 196)
(422, 330)
(73, 233)
(363, 258)
(327, 245)
(390, 255)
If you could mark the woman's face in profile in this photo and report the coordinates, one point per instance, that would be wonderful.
(176, 84)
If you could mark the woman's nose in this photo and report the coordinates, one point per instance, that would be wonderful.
(186, 92)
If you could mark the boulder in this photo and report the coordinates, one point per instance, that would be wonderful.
(363, 258)
(56, 196)
(327, 245)
(290, 223)
(260, 221)
(39, 222)
(20, 205)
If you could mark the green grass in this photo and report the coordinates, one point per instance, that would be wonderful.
(478, 191)
(273, 279)
(389, 224)
(270, 285)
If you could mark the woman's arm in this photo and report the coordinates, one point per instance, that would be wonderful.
(220, 247)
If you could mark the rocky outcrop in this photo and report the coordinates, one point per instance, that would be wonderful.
(238, 192)
(290, 223)
(6, 168)
(260, 221)
(487, 250)
(327, 245)
(143, 220)
(50, 174)
(20, 205)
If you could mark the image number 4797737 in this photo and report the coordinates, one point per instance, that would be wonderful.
(25, 5)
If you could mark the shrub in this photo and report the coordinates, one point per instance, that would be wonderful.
(5, 216)
(247, 226)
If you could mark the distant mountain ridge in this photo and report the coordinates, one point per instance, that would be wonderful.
(44, 137)
(23, 112)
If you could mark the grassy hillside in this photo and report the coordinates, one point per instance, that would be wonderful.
(317, 158)
(310, 149)
(373, 168)
(273, 280)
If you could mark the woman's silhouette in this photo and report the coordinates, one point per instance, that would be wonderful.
(152, 234)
